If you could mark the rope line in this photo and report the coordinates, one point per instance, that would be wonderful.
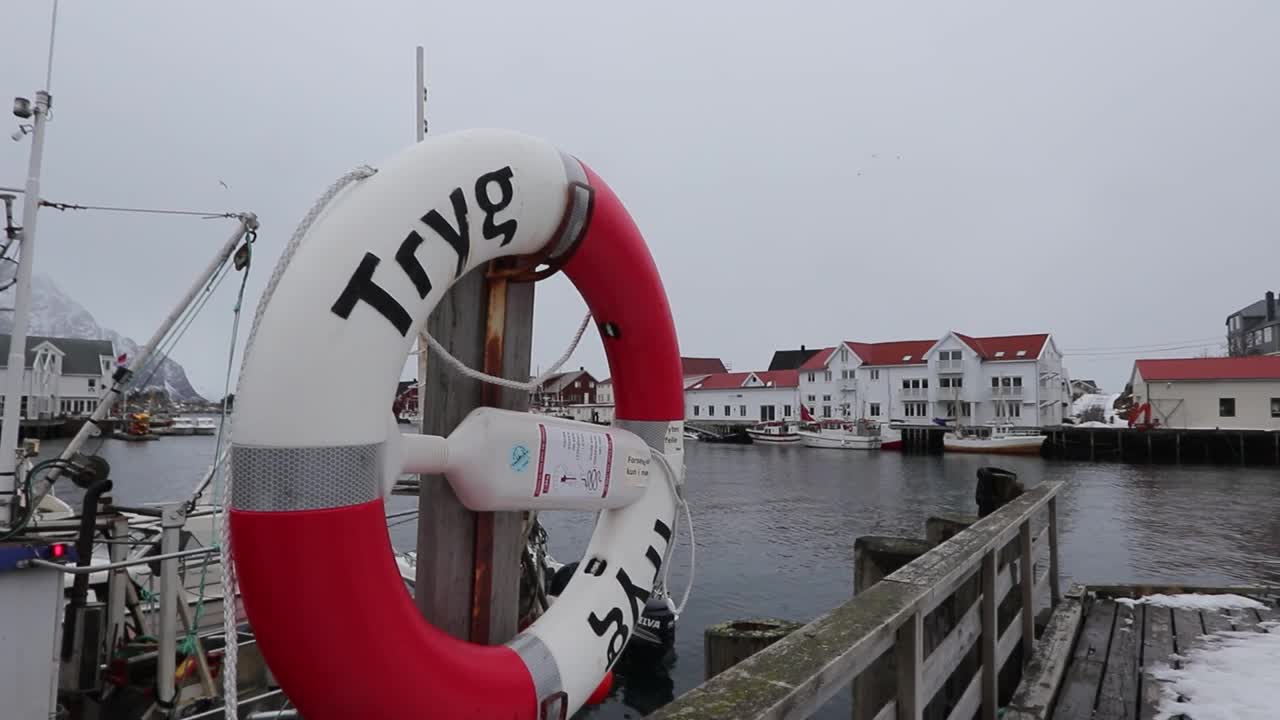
(528, 386)
(229, 690)
(144, 211)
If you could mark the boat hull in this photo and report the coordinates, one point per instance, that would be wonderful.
(1003, 446)
(840, 442)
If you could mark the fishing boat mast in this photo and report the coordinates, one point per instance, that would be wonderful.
(38, 114)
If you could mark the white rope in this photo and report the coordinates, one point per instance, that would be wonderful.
(229, 690)
(529, 386)
(678, 491)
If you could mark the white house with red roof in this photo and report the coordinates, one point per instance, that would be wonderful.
(1018, 379)
(1239, 393)
(743, 397)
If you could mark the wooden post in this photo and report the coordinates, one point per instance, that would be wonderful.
(468, 571)
(1053, 551)
(1120, 443)
(874, 558)
(990, 638)
(1242, 448)
(1177, 448)
(729, 643)
(1028, 592)
(1148, 446)
(909, 656)
(1092, 435)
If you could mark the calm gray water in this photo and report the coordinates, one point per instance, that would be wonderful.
(775, 527)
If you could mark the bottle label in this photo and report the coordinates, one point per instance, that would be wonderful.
(573, 463)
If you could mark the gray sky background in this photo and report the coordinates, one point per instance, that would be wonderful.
(804, 173)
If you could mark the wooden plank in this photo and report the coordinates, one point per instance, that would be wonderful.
(888, 712)
(967, 705)
(446, 529)
(1186, 630)
(1080, 688)
(1028, 583)
(944, 658)
(1262, 621)
(908, 653)
(1009, 640)
(1048, 666)
(1118, 696)
(1157, 647)
(990, 672)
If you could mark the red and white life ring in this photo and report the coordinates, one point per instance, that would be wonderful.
(316, 450)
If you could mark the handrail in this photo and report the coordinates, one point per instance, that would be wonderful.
(795, 676)
(89, 569)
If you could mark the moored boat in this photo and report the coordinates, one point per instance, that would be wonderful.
(890, 437)
(205, 426)
(842, 435)
(774, 432)
(182, 426)
(996, 440)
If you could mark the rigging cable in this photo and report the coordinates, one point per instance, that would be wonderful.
(146, 211)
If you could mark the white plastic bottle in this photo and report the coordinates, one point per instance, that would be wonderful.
(505, 460)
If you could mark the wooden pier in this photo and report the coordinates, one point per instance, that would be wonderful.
(922, 439)
(931, 637)
(1098, 653)
(1163, 445)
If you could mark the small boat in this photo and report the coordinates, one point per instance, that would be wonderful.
(205, 426)
(182, 426)
(995, 440)
(890, 437)
(775, 432)
(842, 435)
(690, 435)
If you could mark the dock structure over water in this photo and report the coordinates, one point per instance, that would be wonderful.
(930, 638)
(1163, 445)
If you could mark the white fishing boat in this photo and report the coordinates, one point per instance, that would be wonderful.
(775, 432)
(205, 426)
(182, 426)
(890, 436)
(842, 435)
(994, 440)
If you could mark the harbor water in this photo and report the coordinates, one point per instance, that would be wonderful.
(775, 528)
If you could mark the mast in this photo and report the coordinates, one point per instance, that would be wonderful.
(11, 419)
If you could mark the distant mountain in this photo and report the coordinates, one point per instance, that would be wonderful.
(55, 314)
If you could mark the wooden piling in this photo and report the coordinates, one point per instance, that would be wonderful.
(729, 643)
(468, 571)
(875, 557)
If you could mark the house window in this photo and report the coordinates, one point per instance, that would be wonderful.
(1266, 334)
(844, 354)
(696, 410)
(786, 411)
(767, 412)
(810, 377)
(1275, 407)
(1015, 409)
(826, 398)
(924, 383)
(742, 411)
(1017, 382)
(1226, 407)
(966, 409)
(827, 376)
(92, 384)
(812, 398)
(906, 384)
(711, 411)
(875, 374)
(826, 411)
(995, 382)
(727, 411)
(949, 409)
(874, 409)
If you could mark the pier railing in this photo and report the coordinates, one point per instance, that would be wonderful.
(898, 618)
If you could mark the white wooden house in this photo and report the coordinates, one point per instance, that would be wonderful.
(743, 397)
(62, 377)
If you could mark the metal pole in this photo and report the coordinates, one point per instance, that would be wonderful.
(248, 222)
(421, 94)
(11, 419)
(170, 592)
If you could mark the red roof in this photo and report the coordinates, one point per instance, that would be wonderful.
(729, 381)
(700, 366)
(819, 360)
(1006, 347)
(901, 352)
(1250, 367)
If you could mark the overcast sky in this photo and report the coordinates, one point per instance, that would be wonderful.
(804, 173)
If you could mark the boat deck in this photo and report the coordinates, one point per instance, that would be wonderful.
(1108, 674)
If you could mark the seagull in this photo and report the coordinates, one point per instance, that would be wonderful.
(224, 185)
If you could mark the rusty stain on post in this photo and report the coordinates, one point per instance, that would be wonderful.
(490, 396)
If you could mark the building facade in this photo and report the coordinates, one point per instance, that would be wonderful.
(63, 377)
(1238, 393)
(1255, 328)
(576, 387)
(1016, 379)
(743, 397)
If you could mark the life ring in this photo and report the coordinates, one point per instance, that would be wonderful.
(316, 450)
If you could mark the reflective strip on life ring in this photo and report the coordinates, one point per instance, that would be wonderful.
(311, 463)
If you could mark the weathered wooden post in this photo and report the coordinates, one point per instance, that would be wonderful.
(729, 643)
(874, 558)
(468, 572)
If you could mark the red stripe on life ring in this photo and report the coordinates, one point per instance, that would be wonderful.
(344, 642)
(617, 277)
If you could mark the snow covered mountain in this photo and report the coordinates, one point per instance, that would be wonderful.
(55, 314)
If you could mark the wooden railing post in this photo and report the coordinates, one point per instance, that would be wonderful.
(990, 639)
(1028, 591)
(1054, 592)
(909, 652)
